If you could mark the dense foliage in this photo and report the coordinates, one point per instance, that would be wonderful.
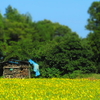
(94, 35)
(59, 51)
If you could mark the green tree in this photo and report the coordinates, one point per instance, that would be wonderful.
(16, 31)
(11, 14)
(66, 54)
(47, 30)
(1, 26)
(94, 20)
(94, 36)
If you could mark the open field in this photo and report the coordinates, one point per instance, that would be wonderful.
(49, 89)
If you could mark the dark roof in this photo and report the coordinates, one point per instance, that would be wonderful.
(15, 62)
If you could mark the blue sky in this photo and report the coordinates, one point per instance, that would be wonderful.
(72, 13)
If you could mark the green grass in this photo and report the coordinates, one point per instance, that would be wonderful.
(92, 76)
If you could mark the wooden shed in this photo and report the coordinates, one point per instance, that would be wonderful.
(13, 70)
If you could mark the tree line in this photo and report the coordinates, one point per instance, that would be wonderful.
(58, 50)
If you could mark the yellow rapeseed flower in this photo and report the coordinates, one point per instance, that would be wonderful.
(49, 89)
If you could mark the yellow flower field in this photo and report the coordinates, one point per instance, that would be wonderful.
(49, 89)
